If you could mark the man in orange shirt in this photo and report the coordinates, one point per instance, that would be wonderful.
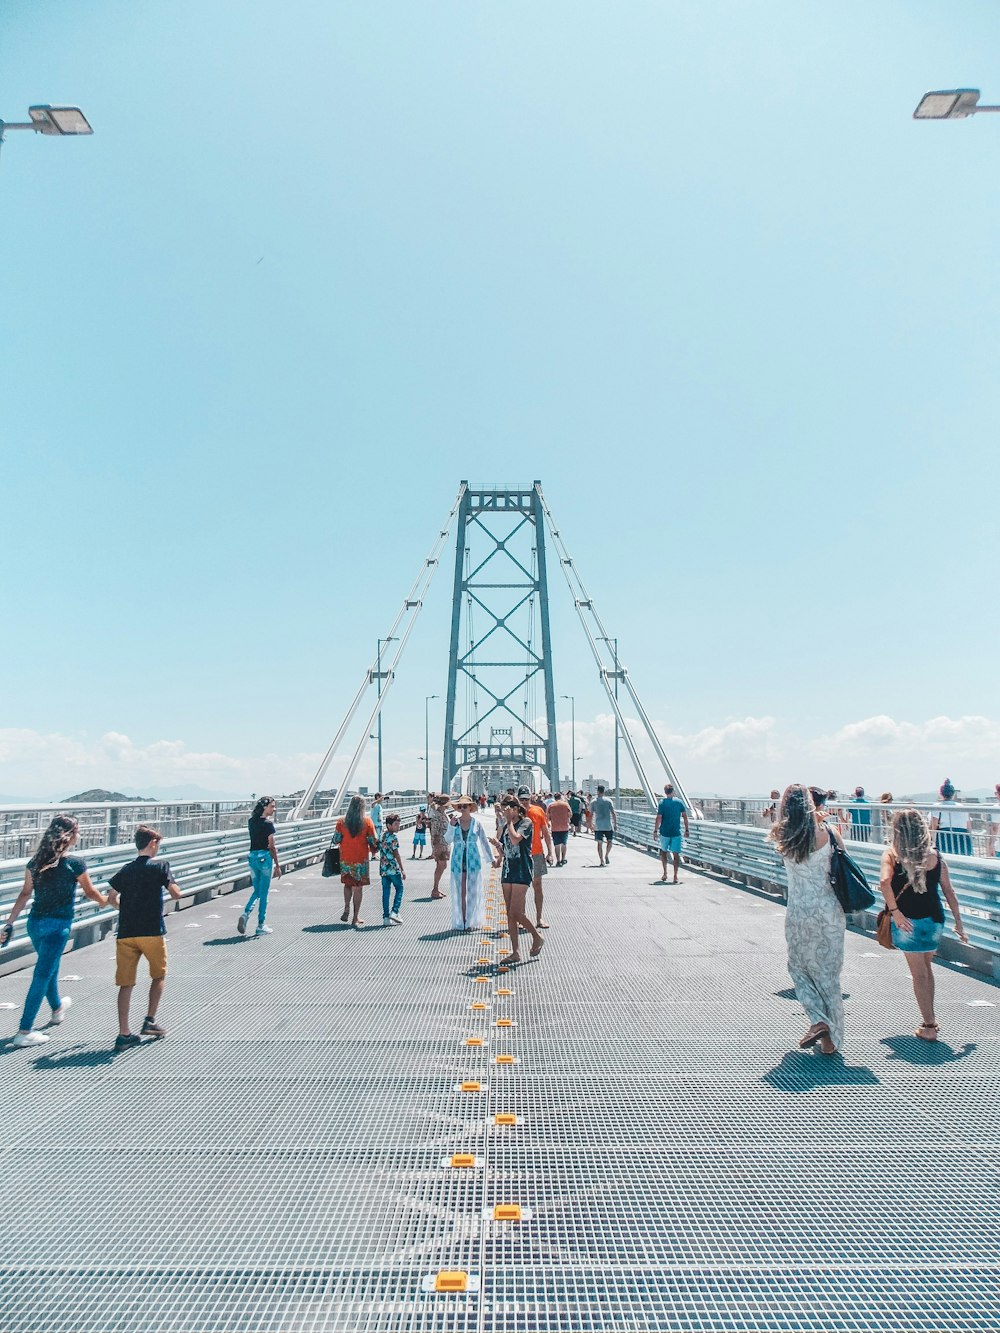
(541, 847)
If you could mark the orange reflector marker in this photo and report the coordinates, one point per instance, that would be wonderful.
(471, 1085)
(500, 968)
(506, 1060)
(504, 990)
(463, 1159)
(480, 979)
(483, 962)
(505, 1022)
(507, 1212)
(478, 1004)
(451, 1282)
(505, 1118)
(473, 1041)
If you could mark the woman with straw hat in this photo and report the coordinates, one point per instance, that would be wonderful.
(470, 854)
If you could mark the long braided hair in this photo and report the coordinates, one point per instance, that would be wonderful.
(911, 843)
(55, 843)
(794, 831)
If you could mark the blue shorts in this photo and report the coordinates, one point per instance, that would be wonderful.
(671, 844)
(925, 938)
(419, 837)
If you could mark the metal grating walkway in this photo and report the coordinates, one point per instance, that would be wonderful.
(281, 1163)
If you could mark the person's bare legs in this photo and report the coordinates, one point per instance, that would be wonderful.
(922, 972)
(536, 884)
(440, 865)
(347, 903)
(677, 868)
(465, 914)
(155, 995)
(124, 1000)
(356, 900)
(664, 862)
(600, 850)
(514, 896)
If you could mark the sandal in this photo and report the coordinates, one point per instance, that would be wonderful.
(928, 1027)
(536, 948)
(510, 958)
(811, 1038)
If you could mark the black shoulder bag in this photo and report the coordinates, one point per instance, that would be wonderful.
(331, 862)
(848, 880)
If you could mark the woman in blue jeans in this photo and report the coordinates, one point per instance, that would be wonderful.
(263, 860)
(50, 877)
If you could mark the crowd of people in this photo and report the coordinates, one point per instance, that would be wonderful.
(523, 834)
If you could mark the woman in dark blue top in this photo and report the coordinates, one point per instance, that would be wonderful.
(50, 878)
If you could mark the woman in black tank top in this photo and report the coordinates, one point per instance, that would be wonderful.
(913, 877)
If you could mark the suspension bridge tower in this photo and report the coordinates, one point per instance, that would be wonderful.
(500, 710)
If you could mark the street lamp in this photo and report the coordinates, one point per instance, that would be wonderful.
(572, 704)
(60, 120)
(378, 677)
(427, 741)
(952, 104)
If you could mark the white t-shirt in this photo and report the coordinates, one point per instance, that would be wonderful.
(950, 818)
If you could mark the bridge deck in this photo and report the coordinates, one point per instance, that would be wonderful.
(276, 1163)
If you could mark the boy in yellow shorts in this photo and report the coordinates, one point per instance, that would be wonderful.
(137, 892)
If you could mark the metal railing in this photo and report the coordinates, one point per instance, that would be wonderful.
(200, 863)
(746, 852)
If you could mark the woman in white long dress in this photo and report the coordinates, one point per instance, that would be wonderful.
(814, 919)
(470, 855)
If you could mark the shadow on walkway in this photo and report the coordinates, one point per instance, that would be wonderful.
(324, 927)
(916, 1051)
(224, 939)
(801, 1071)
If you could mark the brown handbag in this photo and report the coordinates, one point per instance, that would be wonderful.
(883, 929)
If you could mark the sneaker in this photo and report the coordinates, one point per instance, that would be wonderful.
(263, 930)
(150, 1028)
(386, 920)
(59, 1014)
(241, 925)
(123, 1043)
(395, 918)
(30, 1039)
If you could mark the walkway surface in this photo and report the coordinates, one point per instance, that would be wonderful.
(282, 1161)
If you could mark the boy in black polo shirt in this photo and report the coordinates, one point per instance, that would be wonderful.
(137, 892)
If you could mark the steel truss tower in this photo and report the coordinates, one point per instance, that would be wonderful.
(500, 641)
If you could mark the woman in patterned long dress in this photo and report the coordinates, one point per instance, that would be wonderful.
(470, 854)
(814, 919)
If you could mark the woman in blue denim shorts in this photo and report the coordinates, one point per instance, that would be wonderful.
(912, 879)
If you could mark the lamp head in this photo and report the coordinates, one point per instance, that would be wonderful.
(953, 104)
(59, 120)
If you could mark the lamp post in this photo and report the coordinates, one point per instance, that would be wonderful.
(378, 677)
(950, 104)
(572, 705)
(427, 741)
(45, 119)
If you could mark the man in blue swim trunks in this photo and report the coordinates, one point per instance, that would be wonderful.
(420, 834)
(669, 815)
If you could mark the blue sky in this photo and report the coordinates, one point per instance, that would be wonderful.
(693, 266)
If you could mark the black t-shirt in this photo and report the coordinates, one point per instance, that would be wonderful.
(919, 906)
(55, 888)
(517, 863)
(260, 830)
(140, 886)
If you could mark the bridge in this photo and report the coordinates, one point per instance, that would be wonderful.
(383, 1130)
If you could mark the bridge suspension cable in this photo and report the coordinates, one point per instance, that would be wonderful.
(408, 612)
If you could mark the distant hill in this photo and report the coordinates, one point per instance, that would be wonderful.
(102, 794)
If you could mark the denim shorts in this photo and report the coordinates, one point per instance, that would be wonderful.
(925, 938)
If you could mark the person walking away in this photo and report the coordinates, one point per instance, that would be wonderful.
(950, 826)
(50, 879)
(541, 848)
(263, 860)
(860, 816)
(669, 814)
(993, 831)
(514, 846)
(814, 919)
(439, 848)
(605, 820)
(885, 817)
(137, 891)
(419, 834)
(390, 869)
(376, 813)
(355, 836)
(560, 814)
(912, 878)
(470, 853)
(588, 813)
(575, 812)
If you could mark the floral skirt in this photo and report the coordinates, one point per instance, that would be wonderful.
(354, 876)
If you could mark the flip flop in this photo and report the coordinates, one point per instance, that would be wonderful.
(536, 949)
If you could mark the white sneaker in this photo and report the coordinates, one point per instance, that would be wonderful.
(59, 1014)
(263, 930)
(386, 920)
(394, 916)
(241, 925)
(30, 1039)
